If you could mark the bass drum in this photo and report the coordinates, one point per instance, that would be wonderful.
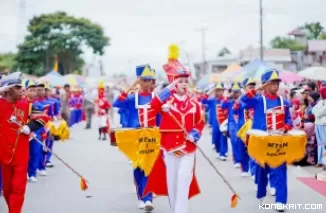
(296, 132)
(255, 132)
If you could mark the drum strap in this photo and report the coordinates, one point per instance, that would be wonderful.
(273, 112)
(265, 103)
(145, 107)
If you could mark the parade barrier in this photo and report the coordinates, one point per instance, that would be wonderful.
(83, 181)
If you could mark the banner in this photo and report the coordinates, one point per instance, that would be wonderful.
(276, 150)
(141, 146)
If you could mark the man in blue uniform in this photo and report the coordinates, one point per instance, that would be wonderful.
(213, 105)
(244, 115)
(55, 107)
(232, 126)
(140, 115)
(271, 114)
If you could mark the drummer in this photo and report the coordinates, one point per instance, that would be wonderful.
(272, 110)
(216, 115)
(244, 116)
(140, 115)
(233, 116)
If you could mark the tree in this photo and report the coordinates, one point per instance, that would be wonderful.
(224, 51)
(61, 35)
(313, 30)
(7, 61)
(286, 43)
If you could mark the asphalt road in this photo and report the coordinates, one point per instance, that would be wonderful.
(111, 188)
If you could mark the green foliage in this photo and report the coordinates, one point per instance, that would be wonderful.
(61, 35)
(7, 61)
(286, 43)
(313, 30)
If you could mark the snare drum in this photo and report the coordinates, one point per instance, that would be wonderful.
(255, 132)
(296, 132)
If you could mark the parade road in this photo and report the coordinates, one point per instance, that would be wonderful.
(111, 188)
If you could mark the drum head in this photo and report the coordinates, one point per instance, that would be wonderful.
(257, 132)
(295, 132)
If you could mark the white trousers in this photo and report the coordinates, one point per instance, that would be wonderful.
(103, 121)
(179, 172)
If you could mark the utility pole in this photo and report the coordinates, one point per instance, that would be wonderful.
(261, 29)
(101, 68)
(203, 37)
(21, 20)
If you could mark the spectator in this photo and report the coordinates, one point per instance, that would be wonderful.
(319, 111)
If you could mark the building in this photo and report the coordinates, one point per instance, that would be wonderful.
(216, 65)
(278, 57)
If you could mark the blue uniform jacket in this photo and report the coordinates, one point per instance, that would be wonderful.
(259, 119)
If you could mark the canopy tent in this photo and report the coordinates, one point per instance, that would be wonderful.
(229, 72)
(75, 80)
(54, 79)
(314, 73)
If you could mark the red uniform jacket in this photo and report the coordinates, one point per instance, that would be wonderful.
(188, 114)
(14, 146)
(103, 105)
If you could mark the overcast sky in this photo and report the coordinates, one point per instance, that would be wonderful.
(141, 30)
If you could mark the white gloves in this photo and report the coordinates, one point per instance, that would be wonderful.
(44, 147)
(190, 138)
(166, 107)
(25, 130)
(173, 84)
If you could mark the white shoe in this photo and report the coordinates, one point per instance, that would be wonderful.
(49, 164)
(237, 165)
(149, 206)
(222, 158)
(141, 205)
(33, 179)
(226, 154)
(27, 177)
(279, 207)
(218, 156)
(154, 195)
(253, 177)
(43, 173)
(245, 174)
(272, 191)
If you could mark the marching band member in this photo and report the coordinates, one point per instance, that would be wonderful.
(179, 113)
(232, 127)
(244, 116)
(217, 117)
(55, 107)
(18, 119)
(42, 133)
(140, 114)
(271, 113)
(34, 147)
(103, 107)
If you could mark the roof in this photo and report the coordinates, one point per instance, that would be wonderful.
(297, 32)
(221, 61)
(281, 55)
(316, 45)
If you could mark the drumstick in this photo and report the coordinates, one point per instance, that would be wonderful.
(205, 156)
